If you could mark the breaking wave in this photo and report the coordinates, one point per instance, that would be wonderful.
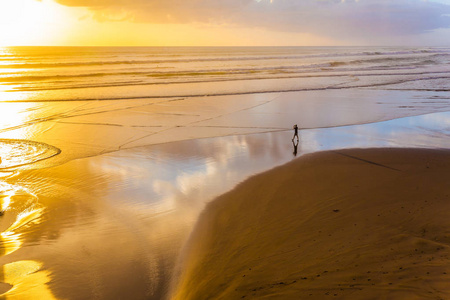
(86, 73)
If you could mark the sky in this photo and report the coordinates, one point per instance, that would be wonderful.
(225, 22)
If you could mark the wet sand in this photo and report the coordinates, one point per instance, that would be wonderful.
(90, 128)
(106, 214)
(346, 224)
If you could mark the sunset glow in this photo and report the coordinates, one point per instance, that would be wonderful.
(206, 149)
(30, 22)
(218, 23)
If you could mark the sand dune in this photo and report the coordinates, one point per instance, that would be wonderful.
(349, 224)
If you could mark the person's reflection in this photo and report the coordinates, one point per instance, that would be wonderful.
(295, 143)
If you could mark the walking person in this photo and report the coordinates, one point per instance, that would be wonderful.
(295, 132)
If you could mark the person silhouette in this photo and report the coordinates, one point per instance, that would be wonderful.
(295, 132)
(295, 147)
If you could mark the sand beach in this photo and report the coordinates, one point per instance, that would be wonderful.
(347, 224)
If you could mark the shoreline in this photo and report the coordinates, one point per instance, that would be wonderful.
(351, 229)
(112, 126)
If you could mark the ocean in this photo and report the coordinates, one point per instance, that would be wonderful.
(119, 73)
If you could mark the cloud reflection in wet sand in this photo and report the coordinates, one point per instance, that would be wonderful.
(120, 219)
(425, 131)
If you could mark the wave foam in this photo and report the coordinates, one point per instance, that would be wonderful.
(18, 153)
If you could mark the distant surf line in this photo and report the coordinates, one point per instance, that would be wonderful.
(140, 83)
(143, 97)
(249, 57)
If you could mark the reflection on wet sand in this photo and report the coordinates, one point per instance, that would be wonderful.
(121, 219)
(21, 279)
(26, 280)
(295, 144)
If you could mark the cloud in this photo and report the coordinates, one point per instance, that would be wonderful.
(335, 18)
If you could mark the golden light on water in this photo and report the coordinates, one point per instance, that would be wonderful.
(8, 93)
(6, 200)
(16, 145)
(26, 217)
(27, 279)
(13, 115)
(20, 208)
(10, 239)
(10, 242)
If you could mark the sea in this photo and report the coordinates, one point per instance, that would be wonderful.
(121, 73)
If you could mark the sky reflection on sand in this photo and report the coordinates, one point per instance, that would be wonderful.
(169, 171)
(425, 131)
(110, 217)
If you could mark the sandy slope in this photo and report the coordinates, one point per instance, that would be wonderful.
(350, 224)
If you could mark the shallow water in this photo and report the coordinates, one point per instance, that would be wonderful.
(86, 128)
